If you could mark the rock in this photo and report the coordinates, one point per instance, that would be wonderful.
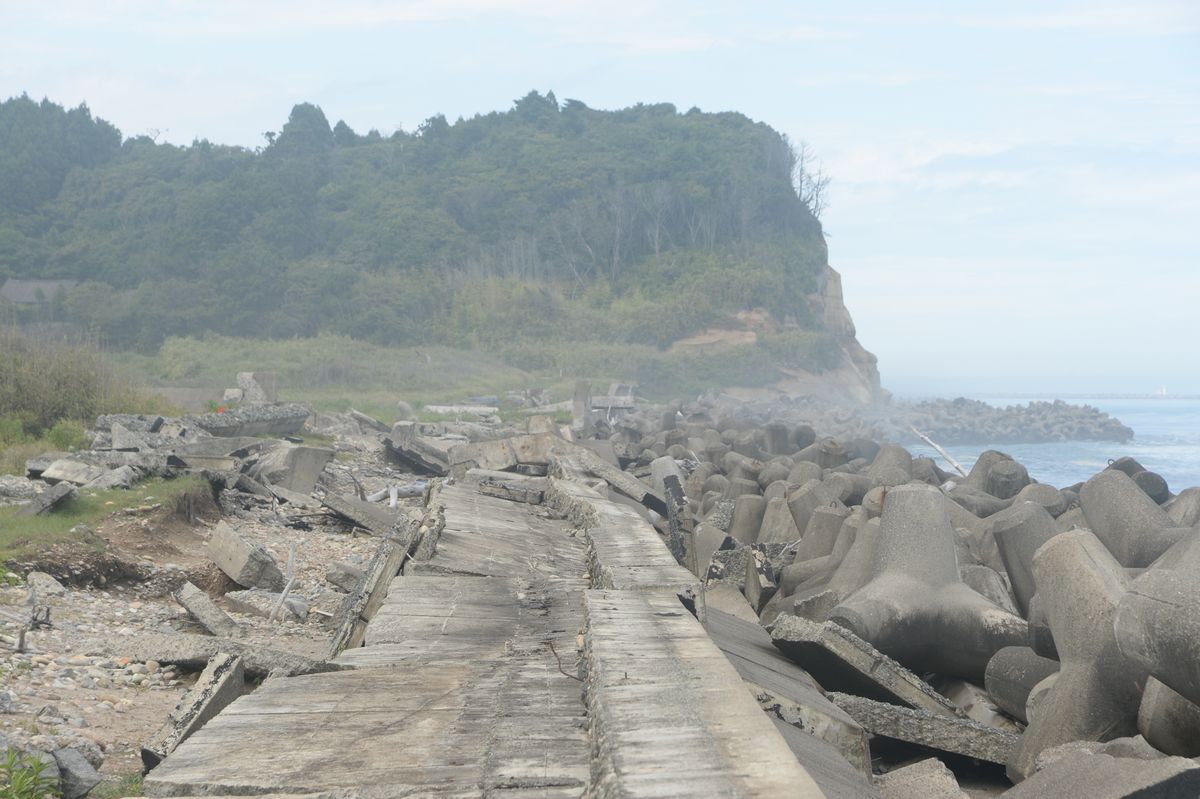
(378, 520)
(76, 774)
(343, 575)
(245, 563)
(293, 468)
(43, 585)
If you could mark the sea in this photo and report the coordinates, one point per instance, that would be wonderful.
(1166, 440)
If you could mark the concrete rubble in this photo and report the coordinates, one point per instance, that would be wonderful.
(704, 597)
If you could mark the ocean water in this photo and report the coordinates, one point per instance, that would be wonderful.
(1166, 440)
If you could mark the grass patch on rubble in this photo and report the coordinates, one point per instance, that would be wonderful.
(74, 521)
(115, 788)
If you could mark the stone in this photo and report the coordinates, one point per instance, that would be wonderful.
(1097, 691)
(962, 736)
(343, 575)
(1133, 528)
(915, 607)
(1012, 674)
(43, 585)
(76, 775)
(1018, 532)
(201, 608)
(1184, 509)
(926, 779)
(245, 563)
(48, 500)
(221, 682)
(840, 661)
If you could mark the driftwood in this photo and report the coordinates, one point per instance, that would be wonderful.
(942, 452)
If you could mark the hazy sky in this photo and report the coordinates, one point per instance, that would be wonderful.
(1016, 195)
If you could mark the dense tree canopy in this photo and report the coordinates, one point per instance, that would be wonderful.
(639, 225)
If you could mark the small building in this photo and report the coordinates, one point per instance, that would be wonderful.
(34, 292)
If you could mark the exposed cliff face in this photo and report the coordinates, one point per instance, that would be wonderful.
(855, 379)
(858, 376)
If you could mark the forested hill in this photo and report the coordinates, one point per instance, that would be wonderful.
(548, 221)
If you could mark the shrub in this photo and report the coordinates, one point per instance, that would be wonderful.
(67, 435)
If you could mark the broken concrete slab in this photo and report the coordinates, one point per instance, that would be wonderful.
(123, 477)
(221, 682)
(66, 470)
(840, 661)
(245, 563)
(724, 598)
(374, 518)
(195, 651)
(294, 468)
(925, 779)
(961, 736)
(784, 689)
(48, 500)
(257, 602)
(201, 608)
(76, 775)
(342, 575)
(257, 420)
(407, 446)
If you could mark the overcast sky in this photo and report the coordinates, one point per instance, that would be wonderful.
(1016, 185)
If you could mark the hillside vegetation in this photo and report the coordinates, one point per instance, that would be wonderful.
(518, 233)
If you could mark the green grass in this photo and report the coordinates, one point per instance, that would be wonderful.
(20, 537)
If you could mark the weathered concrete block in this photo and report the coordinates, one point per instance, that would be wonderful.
(76, 775)
(1169, 721)
(246, 563)
(1097, 691)
(961, 736)
(748, 513)
(49, 499)
(74, 472)
(915, 607)
(1012, 674)
(1157, 625)
(1133, 528)
(343, 575)
(927, 779)
(205, 611)
(840, 661)
(221, 682)
(1018, 532)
